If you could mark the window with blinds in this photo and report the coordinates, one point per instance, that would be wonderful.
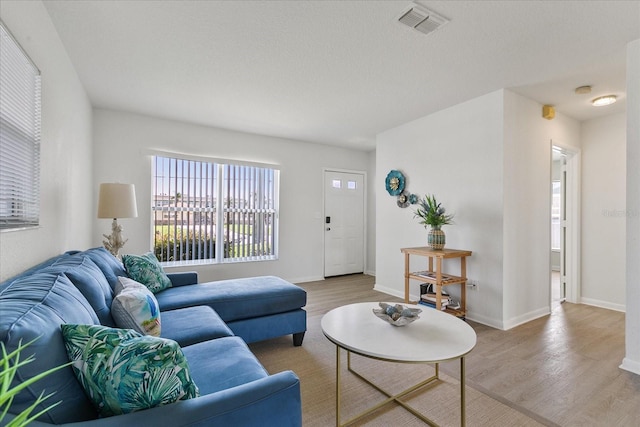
(19, 136)
(214, 211)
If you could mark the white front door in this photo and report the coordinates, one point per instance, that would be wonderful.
(343, 223)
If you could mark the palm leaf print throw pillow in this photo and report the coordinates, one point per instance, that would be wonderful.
(123, 371)
(147, 270)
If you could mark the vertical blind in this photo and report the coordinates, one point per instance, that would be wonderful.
(214, 211)
(249, 210)
(19, 136)
(184, 209)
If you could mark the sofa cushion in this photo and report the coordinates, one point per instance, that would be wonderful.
(90, 281)
(35, 306)
(147, 270)
(111, 266)
(270, 326)
(234, 364)
(238, 298)
(135, 307)
(123, 371)
(193, 325)
(35, 269)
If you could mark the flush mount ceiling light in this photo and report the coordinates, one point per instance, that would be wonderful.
(603, 100)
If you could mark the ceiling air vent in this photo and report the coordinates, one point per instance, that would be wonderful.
(422, 19)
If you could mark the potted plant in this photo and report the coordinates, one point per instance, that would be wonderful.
(433, 215)
(9, 364)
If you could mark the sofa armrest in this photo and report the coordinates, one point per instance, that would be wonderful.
(183, 278)
(271, 401)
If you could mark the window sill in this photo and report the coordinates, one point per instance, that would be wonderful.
(199, 262)
(26, 227)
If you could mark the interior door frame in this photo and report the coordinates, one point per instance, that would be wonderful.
(573, 226)
(365, 215)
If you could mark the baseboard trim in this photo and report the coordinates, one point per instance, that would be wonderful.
(632, 366)
(388, 291)
(487, 321)
(306, 279)
(603, 304)
(527, 317)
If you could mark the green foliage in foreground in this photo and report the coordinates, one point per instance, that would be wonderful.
(10, 363)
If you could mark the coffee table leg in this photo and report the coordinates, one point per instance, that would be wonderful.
(462, 405)
(337, 386)
(396, 397)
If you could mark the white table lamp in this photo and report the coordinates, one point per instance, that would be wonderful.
(116, 201)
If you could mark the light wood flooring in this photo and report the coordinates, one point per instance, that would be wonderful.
(561, 369)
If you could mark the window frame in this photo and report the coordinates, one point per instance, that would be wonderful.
(217, 207)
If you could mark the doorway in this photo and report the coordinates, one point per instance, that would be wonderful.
(344, 222)
(558, 227)
(565, 225)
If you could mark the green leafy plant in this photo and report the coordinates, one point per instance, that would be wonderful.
(10, 363)
(432, 213)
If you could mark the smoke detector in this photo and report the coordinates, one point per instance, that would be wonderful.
(583, 90)
(422, 19)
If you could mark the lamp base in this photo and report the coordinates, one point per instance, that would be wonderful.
(114, 241)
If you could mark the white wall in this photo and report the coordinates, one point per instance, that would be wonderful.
(487, 160)
(122, 153)
(604, 211)
(66, 150)
(527, 202)
(631, 360)
(455, 154)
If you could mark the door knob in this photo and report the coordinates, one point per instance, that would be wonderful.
(328, 228)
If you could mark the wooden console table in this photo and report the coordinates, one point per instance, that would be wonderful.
(436, 276)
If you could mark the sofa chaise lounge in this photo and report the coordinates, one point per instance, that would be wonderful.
(212, 323)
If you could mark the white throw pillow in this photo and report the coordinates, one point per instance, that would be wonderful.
(135, 307)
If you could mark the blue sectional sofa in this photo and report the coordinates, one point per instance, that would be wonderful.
(212, 322)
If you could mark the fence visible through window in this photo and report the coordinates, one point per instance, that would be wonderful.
(198, 204)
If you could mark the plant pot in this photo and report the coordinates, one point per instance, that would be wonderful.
(436, 238)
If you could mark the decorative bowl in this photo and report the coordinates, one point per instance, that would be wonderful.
(397, 315)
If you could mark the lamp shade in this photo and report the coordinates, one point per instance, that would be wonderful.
(117, 201)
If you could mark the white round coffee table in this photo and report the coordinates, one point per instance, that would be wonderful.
(435, 337)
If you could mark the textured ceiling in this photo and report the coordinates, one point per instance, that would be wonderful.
(339, 72)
